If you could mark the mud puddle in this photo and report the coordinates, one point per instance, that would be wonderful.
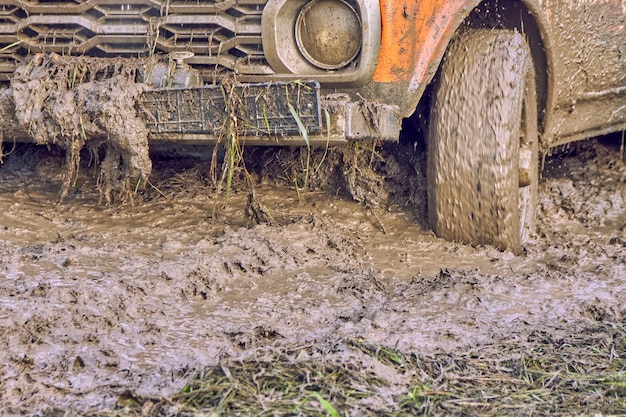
(98, 301)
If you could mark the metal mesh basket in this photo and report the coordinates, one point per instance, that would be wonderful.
(259, 109)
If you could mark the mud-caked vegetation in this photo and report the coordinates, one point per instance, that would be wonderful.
(82, 103)
(92, 109)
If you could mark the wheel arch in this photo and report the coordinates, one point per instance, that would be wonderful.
(416, 35)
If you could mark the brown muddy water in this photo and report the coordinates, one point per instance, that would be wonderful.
(96, 301)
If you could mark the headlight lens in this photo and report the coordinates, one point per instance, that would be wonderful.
(328, 33)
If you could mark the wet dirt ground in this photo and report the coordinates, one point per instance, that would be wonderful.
(98, 301)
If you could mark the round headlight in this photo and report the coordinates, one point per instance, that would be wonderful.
(328, 33)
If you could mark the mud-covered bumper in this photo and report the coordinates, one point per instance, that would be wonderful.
(291, 113)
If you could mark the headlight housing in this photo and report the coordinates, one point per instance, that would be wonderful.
(332, 41)
(329, 33)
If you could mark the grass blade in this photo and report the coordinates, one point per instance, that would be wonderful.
(9, 46)
(327, 406)
(305, 136)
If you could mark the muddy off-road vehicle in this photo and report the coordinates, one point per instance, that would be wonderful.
(494, 84)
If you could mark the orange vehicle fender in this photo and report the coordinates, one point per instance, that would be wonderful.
(415, 35)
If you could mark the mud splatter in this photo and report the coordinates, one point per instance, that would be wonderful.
(77, 102)
(475, 144)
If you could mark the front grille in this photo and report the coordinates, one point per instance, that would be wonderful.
(225, 36)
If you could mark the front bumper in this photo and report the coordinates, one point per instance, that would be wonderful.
(292, 113)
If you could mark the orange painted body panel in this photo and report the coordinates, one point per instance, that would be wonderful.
(414, 35)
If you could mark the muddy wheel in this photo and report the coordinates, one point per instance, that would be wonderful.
(482, 145)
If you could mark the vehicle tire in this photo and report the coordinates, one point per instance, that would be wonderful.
(482, 146)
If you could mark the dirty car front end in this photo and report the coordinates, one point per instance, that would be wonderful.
(309, 49)
(275, 65)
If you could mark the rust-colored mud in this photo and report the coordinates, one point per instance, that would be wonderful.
(96, 302)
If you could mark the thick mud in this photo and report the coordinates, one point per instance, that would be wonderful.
(84, 102)
(98, 302)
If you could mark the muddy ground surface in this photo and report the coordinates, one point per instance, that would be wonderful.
(99, 304)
